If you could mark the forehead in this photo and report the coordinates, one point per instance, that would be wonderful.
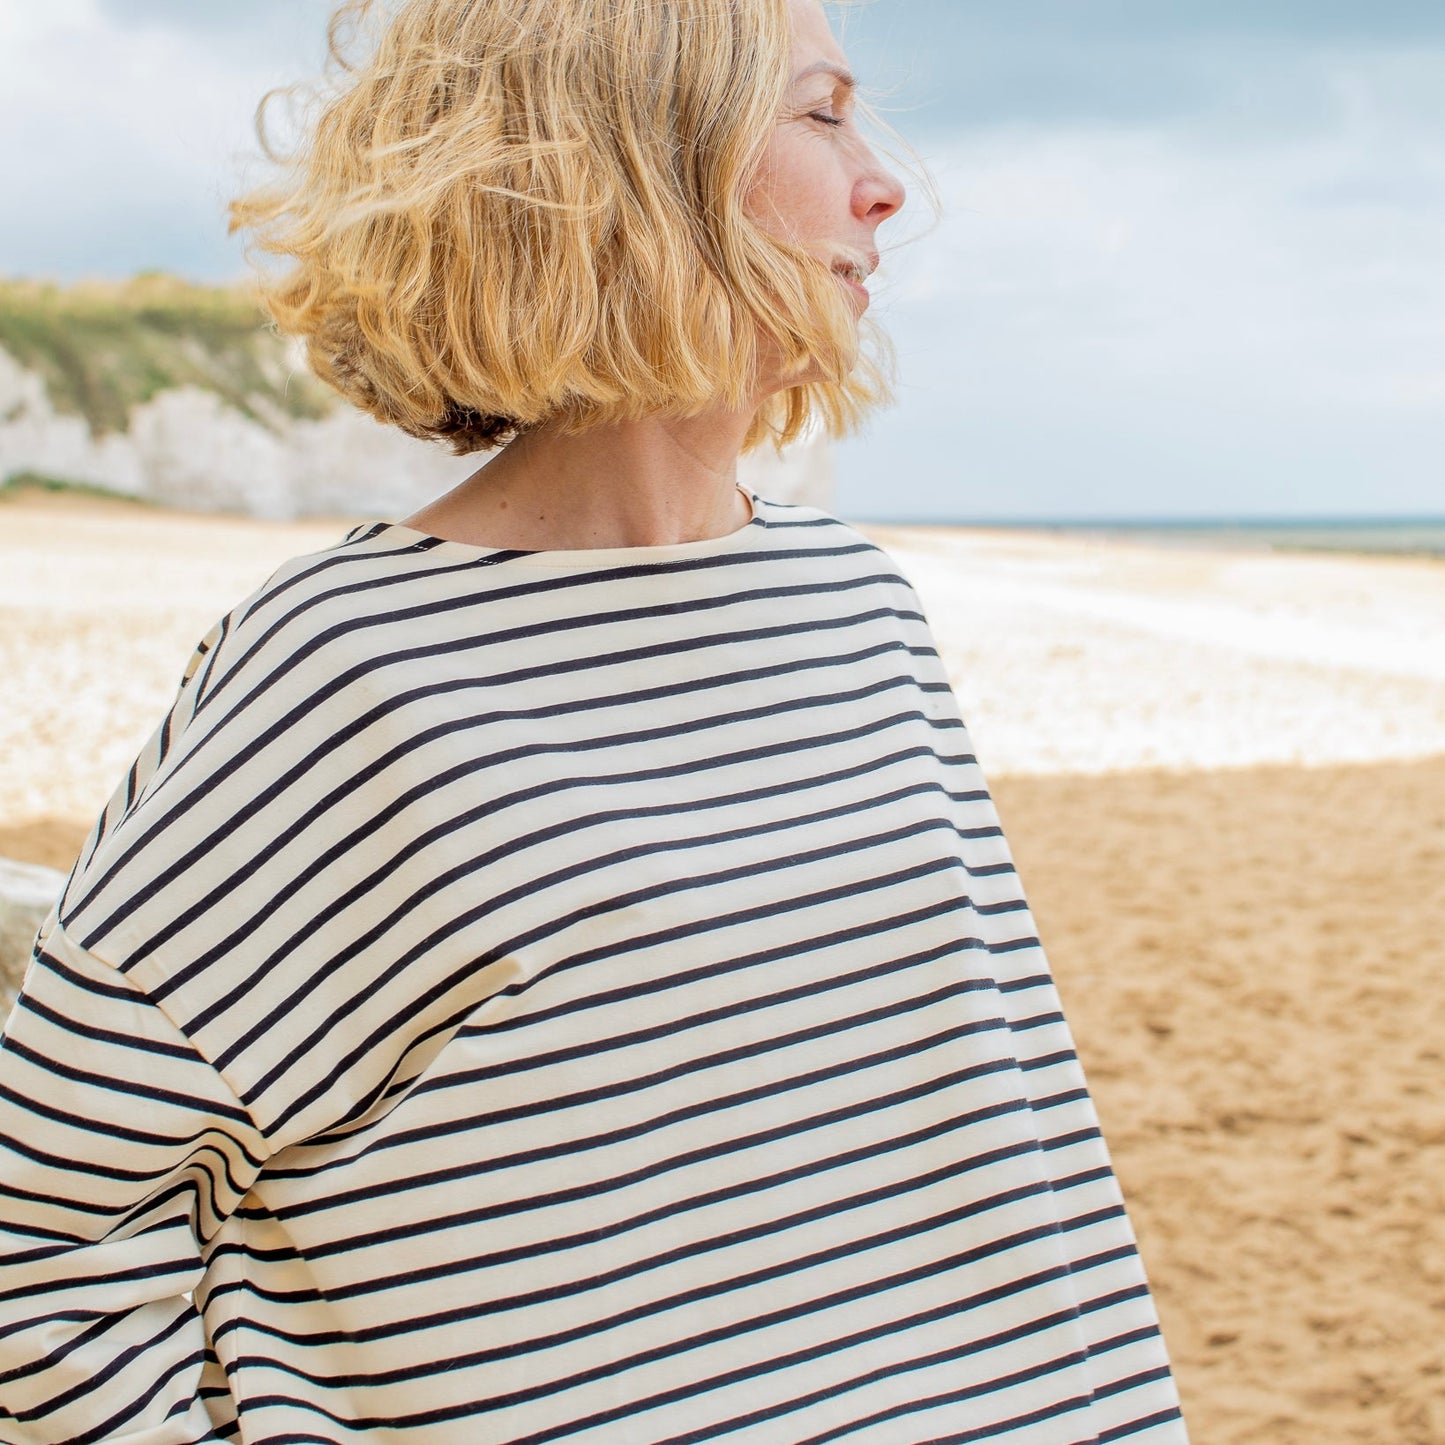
(813, 37)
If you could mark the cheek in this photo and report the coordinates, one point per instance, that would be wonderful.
(760, 198)
(789, 195)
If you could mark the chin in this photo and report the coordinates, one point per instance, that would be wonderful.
(811, 373)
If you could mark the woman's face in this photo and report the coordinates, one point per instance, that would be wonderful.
(819, 185)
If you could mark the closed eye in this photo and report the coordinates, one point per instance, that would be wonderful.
(829, 119)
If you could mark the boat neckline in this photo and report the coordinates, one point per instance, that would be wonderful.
(575, 556)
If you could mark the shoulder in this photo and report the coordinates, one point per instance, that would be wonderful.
(262, 699)
(312, 613)
(811, 529)
(823, 541)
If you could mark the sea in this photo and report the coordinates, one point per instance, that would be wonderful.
(1381, 536)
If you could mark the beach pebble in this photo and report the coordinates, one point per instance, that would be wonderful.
(27, 894)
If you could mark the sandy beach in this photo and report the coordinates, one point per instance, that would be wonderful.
(1223, 775)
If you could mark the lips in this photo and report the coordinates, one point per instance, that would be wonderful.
(855, 271)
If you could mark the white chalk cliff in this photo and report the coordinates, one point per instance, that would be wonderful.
(187, 447)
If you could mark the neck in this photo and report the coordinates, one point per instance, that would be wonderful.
(646, 483)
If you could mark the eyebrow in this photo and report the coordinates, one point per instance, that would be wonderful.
(844, 77)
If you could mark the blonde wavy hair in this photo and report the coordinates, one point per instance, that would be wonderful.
(511, 212)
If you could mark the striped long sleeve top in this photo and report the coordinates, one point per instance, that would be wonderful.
(563, 996)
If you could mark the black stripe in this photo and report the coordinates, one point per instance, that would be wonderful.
(951, 1397)
(185, 1365)
(430, 610)
(56, 1317)
(734, 1376)
(468, 973)
(398, 802)
(473, 1169)
(489, 1308)
(126, 1086)
(473, 863)
(641, 1083)
(492, 808)
(644, 941)
(595, 1048)
(122, 989)
(594, 1328)
(131, 1042)
(359, 723)
(113, 1130)
(168, 1269)
(1146, 1422)
(597, 1232)
(601, 863)
(560, 581)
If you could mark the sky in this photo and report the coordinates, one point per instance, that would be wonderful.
(1190, 260)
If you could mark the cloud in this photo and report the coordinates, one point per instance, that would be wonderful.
(1179, 318)
(966, 63)
(1190, 260)
(124, 145)
(264, 27)
(921, 25)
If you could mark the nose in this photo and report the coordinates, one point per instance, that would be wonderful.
(878, 193)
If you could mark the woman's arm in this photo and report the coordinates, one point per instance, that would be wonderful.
(121, 1149)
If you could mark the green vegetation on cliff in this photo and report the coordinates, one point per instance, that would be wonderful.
(103, 348)
(27, 484)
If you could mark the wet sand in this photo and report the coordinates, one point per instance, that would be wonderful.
(1250, 955)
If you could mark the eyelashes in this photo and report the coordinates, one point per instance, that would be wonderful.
(828, 119)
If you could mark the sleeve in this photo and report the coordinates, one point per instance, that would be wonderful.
(121, 1152)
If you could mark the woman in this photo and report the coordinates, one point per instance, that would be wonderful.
(556, 973)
